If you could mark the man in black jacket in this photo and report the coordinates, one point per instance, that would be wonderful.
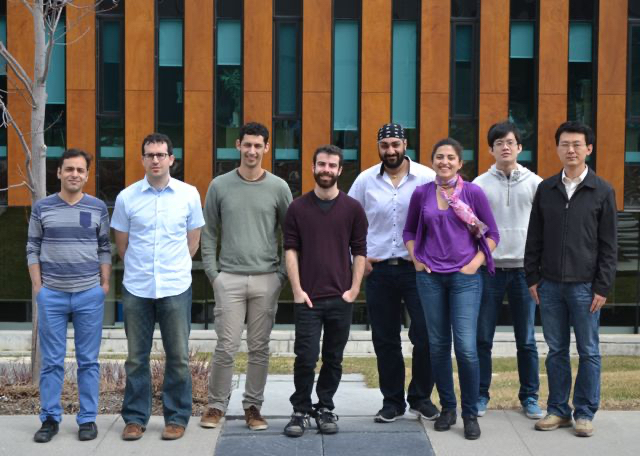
(570, 264)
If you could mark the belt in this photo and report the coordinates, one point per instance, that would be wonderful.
(395, 261)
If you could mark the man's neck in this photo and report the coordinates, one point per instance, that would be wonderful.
(159, 182)
(70, 198)
(250, 174)
(574, 171)
(326, 193)
(507, 168)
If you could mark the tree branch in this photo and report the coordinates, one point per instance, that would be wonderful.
(7, 119)
(17, 70)
(21, 184)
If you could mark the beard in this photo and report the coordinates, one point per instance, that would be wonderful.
(394, 161)
(324, 183)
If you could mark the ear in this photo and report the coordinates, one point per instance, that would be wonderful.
(59, 173)
(589, 149)
(238, 144)
(266, 148)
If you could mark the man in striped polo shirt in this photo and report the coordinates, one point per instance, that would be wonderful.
(69, 258)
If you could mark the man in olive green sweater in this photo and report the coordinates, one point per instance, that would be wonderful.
(244, 208)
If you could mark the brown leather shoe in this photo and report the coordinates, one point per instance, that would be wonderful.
(254, 420)
(133, 431)
(172, 432)
(211, 418)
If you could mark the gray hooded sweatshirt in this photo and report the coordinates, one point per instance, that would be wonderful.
(510, 199)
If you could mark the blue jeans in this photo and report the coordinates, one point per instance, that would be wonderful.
(391, 288)
(563, 305)
(451, 303)
(523, 311)
(86, 309)
(173, 314)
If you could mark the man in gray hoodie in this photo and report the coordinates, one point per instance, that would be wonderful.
(510, 189)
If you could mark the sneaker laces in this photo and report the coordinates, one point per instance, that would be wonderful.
(300, 419)
(254, 414)
(327, 415)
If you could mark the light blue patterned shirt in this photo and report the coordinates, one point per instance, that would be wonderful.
(157, 262)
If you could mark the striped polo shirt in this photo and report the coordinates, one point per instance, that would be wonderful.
(70, 242)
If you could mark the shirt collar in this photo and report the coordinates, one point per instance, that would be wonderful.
(381, 172)
(146, 185)
(578, 179)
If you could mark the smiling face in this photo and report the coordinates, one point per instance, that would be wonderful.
(157, 161)
(446, 162)
(73, 174)
(392, 151)
(573, 149)
(326, 170)
(505, 150)
(252, 148)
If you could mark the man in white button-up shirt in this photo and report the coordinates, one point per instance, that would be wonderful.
(157, 223)
(384, 191)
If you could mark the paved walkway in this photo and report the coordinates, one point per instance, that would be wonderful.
(503, 433)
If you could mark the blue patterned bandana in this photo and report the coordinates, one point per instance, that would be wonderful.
(391, 130)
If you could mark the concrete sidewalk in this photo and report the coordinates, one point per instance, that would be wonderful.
(503, 432)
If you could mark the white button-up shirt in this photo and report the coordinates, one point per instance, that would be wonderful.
(157, 262)
(570, 184)
(386, 207)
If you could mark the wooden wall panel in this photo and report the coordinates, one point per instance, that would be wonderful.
(81, 82)
(198, 95)
(375, 102)
(612, 79)
(257, 65)
(552, 80)
(434, 75)
(494, 73)
(19, 25)
(139, 82)
(317, 73)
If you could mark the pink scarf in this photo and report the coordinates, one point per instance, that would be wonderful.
(461, 209)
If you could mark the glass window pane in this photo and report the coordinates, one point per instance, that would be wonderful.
(3, 38)
(345, 83)
(288, 8)
(228, 93)
(580, 42)
(404, 69)
(229, 43)
(522, 39)
(406, 10)
(229, 9)
(464, 8)
(634, 72)
(463, 95)
(581, 10)
(56, 77)
(287, 69)
(580, 92)
(111, 137)
(523, 9)
(286, 139)
(111, 74)
(346, 9)
(522, 105)
(170, 43)
(464, 131)
(632, 166)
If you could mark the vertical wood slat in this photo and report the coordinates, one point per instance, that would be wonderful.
(552, 80)
(494, 73)
(19, 26)
(612, 89)
(257, 66)
(317, 72)
(198, 91)
(434, 76)
(81, 82)
(139, 82)
(375, 101)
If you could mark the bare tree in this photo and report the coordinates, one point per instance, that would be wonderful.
(46, 20)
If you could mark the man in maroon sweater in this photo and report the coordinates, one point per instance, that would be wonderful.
(323, 229)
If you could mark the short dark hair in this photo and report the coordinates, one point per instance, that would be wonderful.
(329, 149)
(158, 138)
(72, 153)
(457, 147)
(576, 127)
(502, 129)
(254, 129)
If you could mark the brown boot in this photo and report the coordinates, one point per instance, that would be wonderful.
(211, 418)
(172, 432)
(254, 420)
(133, 431)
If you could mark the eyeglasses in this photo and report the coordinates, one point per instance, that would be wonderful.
(509, 142)
(160, 156)
(574, 145)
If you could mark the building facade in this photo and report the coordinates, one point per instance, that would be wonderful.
(318, 72)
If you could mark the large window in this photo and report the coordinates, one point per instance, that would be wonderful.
(55, 111)
(404, 67)
(170, 78)
(287, 122)
(522, 76)
(581, 77)
(228, 116)
(4, 178)
(463, 118)
(110, 103)
(346, 86)
(632, 153)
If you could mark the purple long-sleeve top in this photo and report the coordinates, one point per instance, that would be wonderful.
(442, 240)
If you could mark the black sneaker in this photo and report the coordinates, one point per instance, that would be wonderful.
(471, 428)
(47, 431)
(326, 421)
(87, 431)
(426, 411)
(297, 425)
(446, 419)
(387, 414)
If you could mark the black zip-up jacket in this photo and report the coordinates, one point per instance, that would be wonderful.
(573, 240)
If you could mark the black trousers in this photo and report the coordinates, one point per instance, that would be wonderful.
(334, 314)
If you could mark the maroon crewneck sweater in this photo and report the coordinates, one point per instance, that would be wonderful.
(325, 242)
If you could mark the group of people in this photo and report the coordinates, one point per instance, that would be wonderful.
(444, 249)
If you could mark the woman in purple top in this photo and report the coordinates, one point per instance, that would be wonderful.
(450, 232)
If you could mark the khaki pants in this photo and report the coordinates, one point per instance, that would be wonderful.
(237, 296)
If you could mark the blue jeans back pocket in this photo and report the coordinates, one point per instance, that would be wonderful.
(85, 219)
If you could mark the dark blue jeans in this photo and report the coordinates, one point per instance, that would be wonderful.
(334, 314)
(451, 303)
(563, 305)
(389, 289)
(523, 311)
(173, 315)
